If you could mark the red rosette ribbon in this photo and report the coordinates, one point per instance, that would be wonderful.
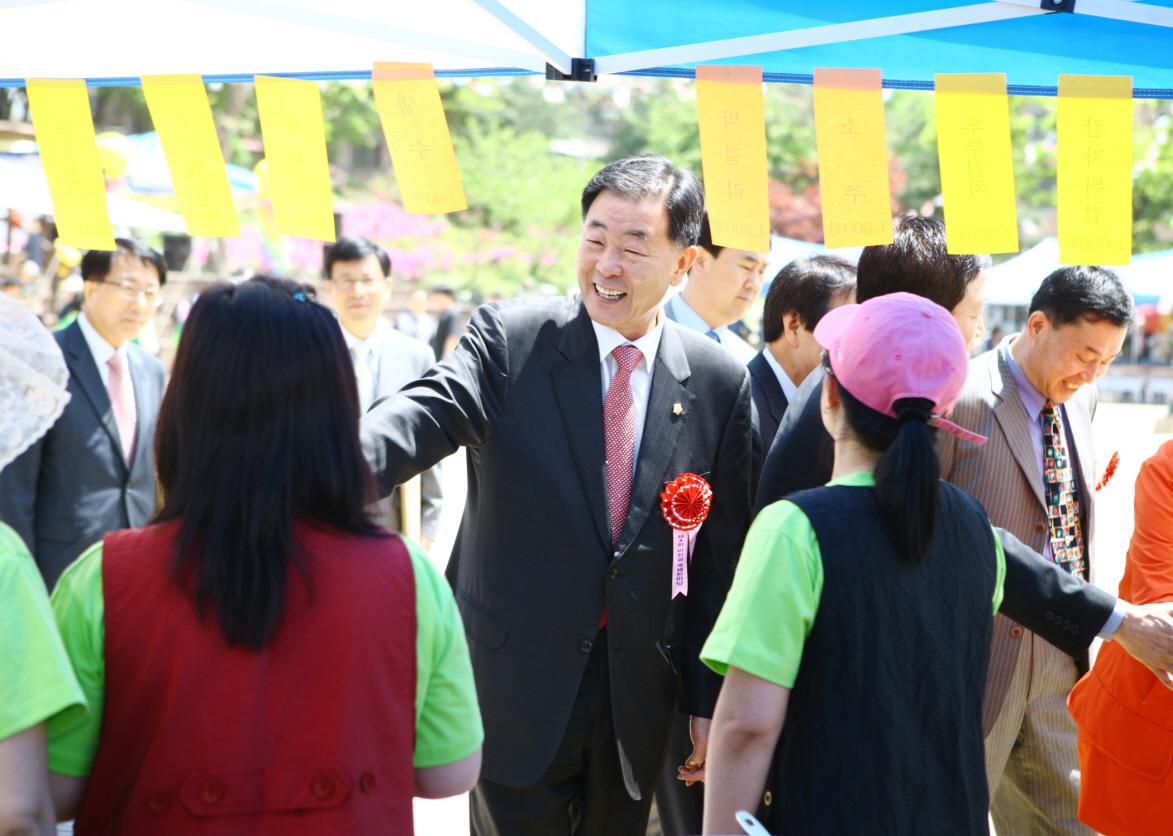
(685, 504)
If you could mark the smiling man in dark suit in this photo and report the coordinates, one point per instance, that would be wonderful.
(577, 412)
(94, 471)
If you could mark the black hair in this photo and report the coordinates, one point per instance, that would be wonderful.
(97, 264)
(11, 281)
(258, 428)
(1092, 293)
(706, 239)
(908, 473)
(805, 286)
(652, 175)
(918, 261)
(445, 289)
(355, 249)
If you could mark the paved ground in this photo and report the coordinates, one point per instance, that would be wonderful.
(1127, 428)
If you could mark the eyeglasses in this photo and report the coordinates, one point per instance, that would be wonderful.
(130, 292)
(351, 285)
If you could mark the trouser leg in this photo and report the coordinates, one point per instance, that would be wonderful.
(681, 807)
(582, 792)
(1039, 791)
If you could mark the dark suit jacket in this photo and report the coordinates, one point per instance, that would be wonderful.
(767, 397)
(71, 487)
(533, 565)
(802, 456)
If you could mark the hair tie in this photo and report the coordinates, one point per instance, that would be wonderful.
(299, 296)
(907, 410)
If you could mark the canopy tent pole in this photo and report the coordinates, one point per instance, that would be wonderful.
(815, 36)
(381, 32)
(549, 50)
(1128, 10)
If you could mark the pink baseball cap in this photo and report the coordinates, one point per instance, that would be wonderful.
(898, 346)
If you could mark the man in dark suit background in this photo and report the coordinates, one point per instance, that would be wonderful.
(1038, 594)
(800, 295)
(94, 471)
(577, 412)
(358, 280)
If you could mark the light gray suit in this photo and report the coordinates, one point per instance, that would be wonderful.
(1025, 718)
(402, 360)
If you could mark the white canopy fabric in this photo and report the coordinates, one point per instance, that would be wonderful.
(23, 187)
(1015, 281)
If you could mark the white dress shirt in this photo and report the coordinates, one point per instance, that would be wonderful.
(788, 387)
(101, 349)
(641, 376)
(684, 315)
(372, 349)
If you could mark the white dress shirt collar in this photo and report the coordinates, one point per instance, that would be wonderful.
(101, 350)
(374, 342)
(788, 387)
(609, 339)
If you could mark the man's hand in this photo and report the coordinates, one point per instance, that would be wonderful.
(1146, 634)
(694, 768)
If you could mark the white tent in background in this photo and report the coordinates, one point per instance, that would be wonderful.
(1014, 282)
(24, 187)
(1149, 277)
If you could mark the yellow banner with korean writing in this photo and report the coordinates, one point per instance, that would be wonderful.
(1095, 169)
(418, 139)
(853, 157)
(977, 170)
(183, 118)
(732, 117)
(64, 129)
(295, 148)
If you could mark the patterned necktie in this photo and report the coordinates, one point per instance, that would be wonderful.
(619, 436)
(1062, 500)
(714, 335)
(121, 393)
(363, 376)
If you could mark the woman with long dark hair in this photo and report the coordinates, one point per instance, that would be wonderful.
(856, 636)
(262, 658)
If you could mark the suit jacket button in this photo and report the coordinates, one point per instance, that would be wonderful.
(585, 647)
(366, 782)
(614, 573)
(1040, 528)
(323, 785)
(1050, 616)
(1066, 624)
(1075, 629)
(1016, 632)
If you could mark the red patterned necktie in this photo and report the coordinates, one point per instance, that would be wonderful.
(1063, 511)
(121, 392)
(619, 435)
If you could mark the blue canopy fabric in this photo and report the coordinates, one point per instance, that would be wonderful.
(909, 40)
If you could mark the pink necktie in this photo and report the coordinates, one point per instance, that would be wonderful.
(121, 392)
(619, 435)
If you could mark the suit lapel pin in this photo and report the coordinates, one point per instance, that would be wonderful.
(677, 409)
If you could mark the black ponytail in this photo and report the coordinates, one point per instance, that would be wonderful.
(908, 473)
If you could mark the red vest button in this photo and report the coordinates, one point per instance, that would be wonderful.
(212, 792)
(366, 781)
(158, 802)
(323, 785)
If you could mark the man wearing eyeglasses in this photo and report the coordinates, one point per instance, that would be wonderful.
(358, 278)
(94, 471)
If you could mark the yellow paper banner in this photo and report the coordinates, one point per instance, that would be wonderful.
(732, 118)
(69, 154)
(183, 118)
(977, 170)
(1095, 169)
(417, 134)
(295, 147)
(853, 157)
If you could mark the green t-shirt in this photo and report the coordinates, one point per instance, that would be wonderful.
(36, 680)
(775, 594)
(447, 717)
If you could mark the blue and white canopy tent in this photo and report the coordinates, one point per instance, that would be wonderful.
(112, 42)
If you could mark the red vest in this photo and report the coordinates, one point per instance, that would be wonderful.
(314, 735)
